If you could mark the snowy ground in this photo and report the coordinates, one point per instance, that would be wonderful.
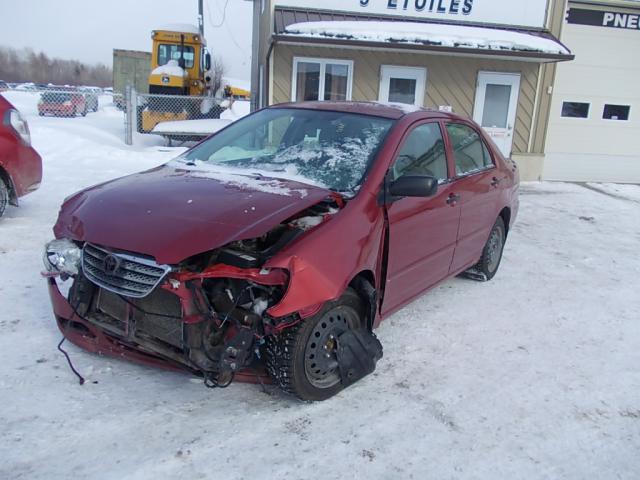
(534, 375)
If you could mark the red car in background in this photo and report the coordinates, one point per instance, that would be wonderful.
(20, 164)
(62, 103)
(281, 242)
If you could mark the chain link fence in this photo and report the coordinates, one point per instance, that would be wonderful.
(179, 117)
(174, 117)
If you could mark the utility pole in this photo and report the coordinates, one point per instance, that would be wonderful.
(201, 17)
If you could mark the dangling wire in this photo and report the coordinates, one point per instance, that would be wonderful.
(80, 377)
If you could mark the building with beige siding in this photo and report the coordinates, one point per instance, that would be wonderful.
(492, 60)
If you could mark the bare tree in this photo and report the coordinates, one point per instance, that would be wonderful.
(216, 72)
(25, 65)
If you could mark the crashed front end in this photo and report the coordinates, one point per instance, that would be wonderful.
(209, 314)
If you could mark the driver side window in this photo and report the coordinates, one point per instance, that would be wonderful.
(422, 153)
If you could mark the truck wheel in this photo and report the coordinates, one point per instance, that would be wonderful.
(302, 359)
(4, 196)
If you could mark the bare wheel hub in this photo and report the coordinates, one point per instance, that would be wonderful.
(320, 361)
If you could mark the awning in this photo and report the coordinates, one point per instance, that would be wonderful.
(434, 37)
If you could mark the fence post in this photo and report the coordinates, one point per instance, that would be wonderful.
(128, 115)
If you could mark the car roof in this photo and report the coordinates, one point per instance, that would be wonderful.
(393, 111)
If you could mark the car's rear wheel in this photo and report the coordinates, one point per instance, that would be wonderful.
(488, 265)
(84, 111)
(302, 359)
(4, 196)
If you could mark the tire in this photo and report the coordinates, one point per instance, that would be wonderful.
(292, 357)
(84, 112)
(4, 196)
(489, 263)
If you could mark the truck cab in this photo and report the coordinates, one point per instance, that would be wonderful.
(179, 61)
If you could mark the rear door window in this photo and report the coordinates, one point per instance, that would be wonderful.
(422, 153)
(469, 151)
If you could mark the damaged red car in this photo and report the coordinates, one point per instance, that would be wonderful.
(277, 245)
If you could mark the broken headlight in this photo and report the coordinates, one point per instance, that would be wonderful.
(62, 256)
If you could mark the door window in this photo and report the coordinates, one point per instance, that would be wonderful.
(469, 151)
(320, 79)
(422, 153)
(496, 106)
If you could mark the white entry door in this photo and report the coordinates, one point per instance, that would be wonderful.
(496, 105)
(403, 84)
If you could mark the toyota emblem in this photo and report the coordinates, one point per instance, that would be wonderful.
(111, 263)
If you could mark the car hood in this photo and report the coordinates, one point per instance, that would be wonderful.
(172, 213)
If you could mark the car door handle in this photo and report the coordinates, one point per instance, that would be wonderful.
(495, 181)
(453, 199)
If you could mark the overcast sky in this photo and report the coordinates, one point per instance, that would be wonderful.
(89, 30)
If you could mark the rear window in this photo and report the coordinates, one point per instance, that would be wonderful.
(55, 97)
(470, 152)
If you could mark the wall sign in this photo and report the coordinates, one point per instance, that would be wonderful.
(598, 18)
(529, 13)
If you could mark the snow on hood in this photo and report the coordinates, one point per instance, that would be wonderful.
(171, 68)
(173, 212)
(456, 36)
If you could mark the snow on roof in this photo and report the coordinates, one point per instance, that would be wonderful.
(170, 68)
(205, 126)
(456, 36)
(180, 28)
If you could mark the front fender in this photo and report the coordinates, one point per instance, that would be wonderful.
(323, 262)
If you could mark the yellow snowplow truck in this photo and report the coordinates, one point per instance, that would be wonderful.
(179, 66)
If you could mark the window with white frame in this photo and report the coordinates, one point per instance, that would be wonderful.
(321, 79)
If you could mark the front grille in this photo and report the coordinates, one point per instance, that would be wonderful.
(124, 274)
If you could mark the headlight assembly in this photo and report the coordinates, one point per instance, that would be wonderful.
(62, 256)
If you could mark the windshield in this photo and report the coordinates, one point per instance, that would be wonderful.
(174, 52)
(330, 149)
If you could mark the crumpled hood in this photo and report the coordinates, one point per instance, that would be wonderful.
(172, 213)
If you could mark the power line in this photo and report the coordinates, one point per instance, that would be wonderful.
(224, 15)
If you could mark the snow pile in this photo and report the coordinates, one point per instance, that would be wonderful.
(205, 126)
(235, 109)
(170, 68)
(455, 36)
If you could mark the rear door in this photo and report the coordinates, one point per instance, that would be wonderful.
(476, 186)
(422, 231)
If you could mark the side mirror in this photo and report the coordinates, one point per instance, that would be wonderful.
(207, 61)
(414, 186)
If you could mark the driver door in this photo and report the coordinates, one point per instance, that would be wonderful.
(422, 231)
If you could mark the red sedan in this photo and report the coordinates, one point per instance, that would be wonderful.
(62, 103)
(282, 241)
(20, 164)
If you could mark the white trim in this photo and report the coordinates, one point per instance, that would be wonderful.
(499, 133)
(270, 82)
(323, 62)
(534, 115)
(419, 74)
